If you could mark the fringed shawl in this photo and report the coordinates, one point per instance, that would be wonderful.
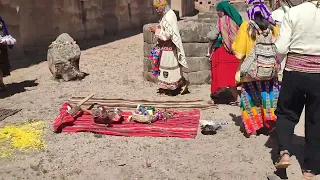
(170, 24)
(228, 29)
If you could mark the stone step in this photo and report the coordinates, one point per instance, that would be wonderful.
(207, 15)
(240, 6)
(191, 31)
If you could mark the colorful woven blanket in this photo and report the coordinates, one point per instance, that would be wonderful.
(184, 124)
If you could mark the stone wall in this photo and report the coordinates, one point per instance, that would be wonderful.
(184, 7)
(36, 23)
(195, 43)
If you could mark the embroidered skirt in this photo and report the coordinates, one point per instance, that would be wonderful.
(258, 103)
(170, 74)
(223, 69)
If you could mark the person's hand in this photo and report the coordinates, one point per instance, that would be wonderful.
(152, 29)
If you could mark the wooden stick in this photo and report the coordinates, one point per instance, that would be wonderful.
(156, 105)
(85, 99)
(103, 99)
(141, 102)
(136, 103)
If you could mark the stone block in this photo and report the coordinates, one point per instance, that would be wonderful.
(184, 7)
(149, 77)
(193, 64)
(207, 15)
(148, 37)
(205, 64)
(194, 31)
(147, 65)
(147, 49)
(197, 78)
(191, 31)
(240, 6)
(196, 49)
(196, 64)
(206, 20)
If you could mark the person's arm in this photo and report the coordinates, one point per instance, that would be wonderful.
(283, 42)
(162, 34)
(239, 45)
(213, 34)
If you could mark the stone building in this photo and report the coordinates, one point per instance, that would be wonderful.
(36, 23)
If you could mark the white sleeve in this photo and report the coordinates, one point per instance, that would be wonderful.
(284, 37)
(162, 34)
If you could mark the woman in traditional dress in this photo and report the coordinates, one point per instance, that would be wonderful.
(171, 53)
(299, 40)
(258, 99)
(5, 41)
(223, 62)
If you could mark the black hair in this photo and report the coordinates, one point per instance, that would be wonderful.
(262, 23)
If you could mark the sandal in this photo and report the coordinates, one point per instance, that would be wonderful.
(283, 164)
(307, 175)
(161, 91)
(250, 135)
(185, 89)
(234, 103)
(273, 177)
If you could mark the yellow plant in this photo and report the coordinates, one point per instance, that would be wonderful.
(24, 138)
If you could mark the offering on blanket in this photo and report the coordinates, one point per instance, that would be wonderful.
(101, 115)
(149, 114)
(146, 114)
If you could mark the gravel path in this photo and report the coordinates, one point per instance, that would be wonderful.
(116, 72)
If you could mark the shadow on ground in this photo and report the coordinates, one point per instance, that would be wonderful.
(15, 88)
(297, 146)
(225, 97)
(297, 151)
(39, 54)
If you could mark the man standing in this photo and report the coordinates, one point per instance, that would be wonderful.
(171, 52)
(299, 39)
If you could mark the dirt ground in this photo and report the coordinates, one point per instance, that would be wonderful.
(116, 71)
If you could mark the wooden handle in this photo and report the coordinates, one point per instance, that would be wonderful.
(85, 99)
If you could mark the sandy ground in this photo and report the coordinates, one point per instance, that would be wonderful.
(115, 72)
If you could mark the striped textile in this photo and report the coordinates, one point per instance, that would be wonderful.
(303, 63)
(258, 103)
(184, 124)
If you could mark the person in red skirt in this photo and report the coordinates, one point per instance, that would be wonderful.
(223, 62)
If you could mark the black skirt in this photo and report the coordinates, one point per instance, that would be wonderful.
(4, 61)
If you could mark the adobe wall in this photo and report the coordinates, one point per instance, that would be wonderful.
(36, 23)
(185, 7)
